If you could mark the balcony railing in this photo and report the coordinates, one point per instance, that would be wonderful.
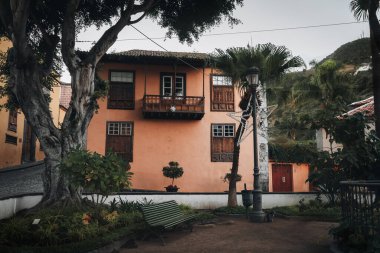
(179, 107)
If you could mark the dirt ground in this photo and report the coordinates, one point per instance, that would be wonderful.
(237, 234)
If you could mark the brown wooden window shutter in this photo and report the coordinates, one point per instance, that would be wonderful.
(12, 121)
(121, 94)
(222, 142)
(120, 139)
(222, 94)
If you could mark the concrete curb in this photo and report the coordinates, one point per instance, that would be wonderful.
(22, 166)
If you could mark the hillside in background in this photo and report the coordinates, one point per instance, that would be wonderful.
(298, 96)
(355, 52)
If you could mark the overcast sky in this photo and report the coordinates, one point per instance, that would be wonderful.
(256, 15)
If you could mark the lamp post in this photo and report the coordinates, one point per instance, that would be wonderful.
(257, 214)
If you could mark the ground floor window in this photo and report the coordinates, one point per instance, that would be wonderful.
(222, 142)
(120, 139)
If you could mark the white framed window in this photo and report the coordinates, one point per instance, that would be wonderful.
(223, 130)
(119, 128)
(126, 129)
(179, 83)
(173, 84)
(222, 80)
(113, 129)
(122, 77)
(217, 130)
(167, 85)
(229, 130)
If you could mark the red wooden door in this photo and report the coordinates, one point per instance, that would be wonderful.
(282, 177)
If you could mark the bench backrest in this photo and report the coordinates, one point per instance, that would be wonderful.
(161, 212)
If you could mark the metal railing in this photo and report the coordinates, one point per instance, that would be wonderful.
(360, 202)
(158, 103)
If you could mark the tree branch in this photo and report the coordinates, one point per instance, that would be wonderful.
(68, 36)
(143, 7)
(110, 36)
(137, 20)
(51, 40)
(5, 17)
(20, 11)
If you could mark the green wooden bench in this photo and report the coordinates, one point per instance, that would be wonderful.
(164, 216)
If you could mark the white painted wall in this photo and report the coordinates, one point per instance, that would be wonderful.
(8, 207)
(212, 201)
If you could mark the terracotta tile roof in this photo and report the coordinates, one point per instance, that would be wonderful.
(364, 106)
(65, 97)
(156, 57)
(163, 54)
(362, 102)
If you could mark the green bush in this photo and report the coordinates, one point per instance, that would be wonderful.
(96, 173)
(64, 226)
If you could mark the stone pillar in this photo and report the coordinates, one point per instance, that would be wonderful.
(262, 136)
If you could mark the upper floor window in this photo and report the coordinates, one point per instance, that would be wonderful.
(222, 142)
(222, 93)
(121, 94)
(173, 85)
(119, 139)
(12, 120)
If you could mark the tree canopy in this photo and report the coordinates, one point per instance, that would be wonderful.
(43, 34)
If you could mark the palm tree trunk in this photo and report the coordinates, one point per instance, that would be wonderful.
(232, 199)
(375, 36)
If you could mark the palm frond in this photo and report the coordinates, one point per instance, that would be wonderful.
(360, 9)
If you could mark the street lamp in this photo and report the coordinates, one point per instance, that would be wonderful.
(257, 214)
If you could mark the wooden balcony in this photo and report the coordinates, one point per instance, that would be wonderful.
(179, 107)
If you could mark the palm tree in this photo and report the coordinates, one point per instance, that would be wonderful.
(366, 10)
(272, 61)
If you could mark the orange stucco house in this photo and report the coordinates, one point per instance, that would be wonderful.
(18, 144)
(167, 106)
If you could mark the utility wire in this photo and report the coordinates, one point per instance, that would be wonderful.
(243, 32)
(146, 36)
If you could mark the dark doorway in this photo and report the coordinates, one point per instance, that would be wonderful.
(28, 145)
(282, 177)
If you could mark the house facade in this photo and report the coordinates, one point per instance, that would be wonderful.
(365, 106)
(166, 106)
(18, 144)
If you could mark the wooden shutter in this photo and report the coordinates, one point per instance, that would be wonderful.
(12, 120)
(221, 148)
(222, 98)
(121, 96)
(122, 145)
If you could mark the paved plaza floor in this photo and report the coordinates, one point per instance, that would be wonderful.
(236, 234)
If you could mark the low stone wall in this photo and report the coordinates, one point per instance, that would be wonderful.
(10, 206)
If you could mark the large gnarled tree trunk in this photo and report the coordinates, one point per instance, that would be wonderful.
(27, 74)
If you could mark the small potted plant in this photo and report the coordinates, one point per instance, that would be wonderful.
(172, 171)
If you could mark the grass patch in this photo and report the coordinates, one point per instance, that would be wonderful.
(230, 210)
(200, 216)
(320, 213)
